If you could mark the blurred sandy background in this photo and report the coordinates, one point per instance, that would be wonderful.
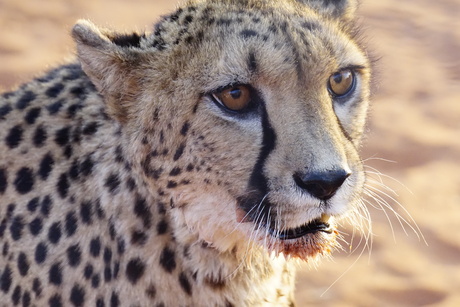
(415, 122)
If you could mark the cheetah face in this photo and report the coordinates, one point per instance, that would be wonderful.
(248, 117)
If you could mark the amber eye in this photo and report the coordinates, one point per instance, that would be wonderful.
(342, 82)
(235, 98)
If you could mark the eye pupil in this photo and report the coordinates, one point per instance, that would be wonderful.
(337, 77)
(235, 93)
(341, 83)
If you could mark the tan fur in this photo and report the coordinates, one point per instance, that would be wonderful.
(133, 153)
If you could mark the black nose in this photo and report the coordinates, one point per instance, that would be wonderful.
(321, 185)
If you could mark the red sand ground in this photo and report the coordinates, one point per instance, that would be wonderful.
(415, 122)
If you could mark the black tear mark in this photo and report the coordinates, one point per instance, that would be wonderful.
(252, 62)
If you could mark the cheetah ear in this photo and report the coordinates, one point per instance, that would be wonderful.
(341, 9)
(110, 62)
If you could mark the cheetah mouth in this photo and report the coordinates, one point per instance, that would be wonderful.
(317, 225)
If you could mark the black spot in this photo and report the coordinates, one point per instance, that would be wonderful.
(23, 264)
(54, 232)
(95, 247)
(55, 301)
(5, 280)
(162, 227)
(14, 137)
(41, 251)
(25, 100)
(39, 137)
(175, 171)
(86, 212)
(32, 115)
(3, 227)
(188, 19)
(171, 184)
(80, 93)
(121, 246)
(33, 204)
(68, 151)
(107, 255)
(36, 226)
(179, 152)
(130, 184)
(107, 274)
(46, 165)
(5, 110)
(10, 210)
(114, 300)
(63, 185)
(151, 291)
(185, 129)
(88, 271)
(46, 205)
(55, 274)
(3, 180)
(252, 62)
(24, 181)
(142, 211)
(138, 237)
(55, 107)
(5, 249)
(86, 167)
(119, 154)
(185, 284)
(167, 260)
(77, 295)
(112, 182)
(26, 299)
(55, 90)
(71, 224)
(128, 40)
(62, 136)
(135, 269)
(90, 129)
(95, 281)
(16, 227)
(74, 255)
(74, 170)
(248, 33)
(37, 287)
(16, 295)
(99, 211)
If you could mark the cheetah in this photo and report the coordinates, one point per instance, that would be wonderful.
(192, 165)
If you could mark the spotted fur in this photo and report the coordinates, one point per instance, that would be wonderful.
(123, 182)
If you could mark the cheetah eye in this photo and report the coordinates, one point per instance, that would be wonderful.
(341, 83)
(235, 98)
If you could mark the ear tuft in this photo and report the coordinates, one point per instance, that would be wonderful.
(86, 33)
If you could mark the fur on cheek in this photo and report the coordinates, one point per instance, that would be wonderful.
(209, 215)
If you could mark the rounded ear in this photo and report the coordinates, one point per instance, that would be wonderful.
(340, 9)
(110, 62)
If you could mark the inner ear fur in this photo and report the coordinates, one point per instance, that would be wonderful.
(110, 66)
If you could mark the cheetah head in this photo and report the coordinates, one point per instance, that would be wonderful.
(246, 115)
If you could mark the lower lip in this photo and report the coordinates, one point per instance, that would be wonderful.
(301, 231)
